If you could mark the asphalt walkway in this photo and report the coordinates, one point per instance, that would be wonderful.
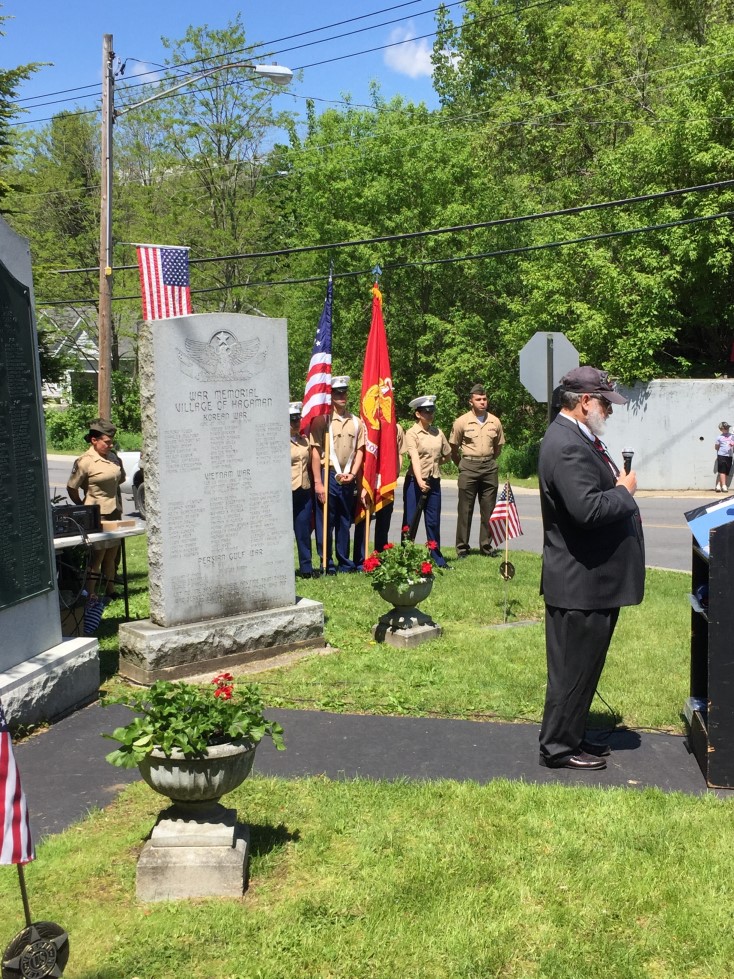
(64, 773)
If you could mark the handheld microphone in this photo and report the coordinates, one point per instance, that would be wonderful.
(627, 456)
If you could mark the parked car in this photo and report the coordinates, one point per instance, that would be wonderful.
(134, 484)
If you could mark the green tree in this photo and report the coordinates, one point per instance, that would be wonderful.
(10, 79)
(194, 166)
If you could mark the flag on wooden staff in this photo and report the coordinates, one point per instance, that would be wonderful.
(164, 281)
(504, 522)
(377, 412)
(16, 845)
(317, 396)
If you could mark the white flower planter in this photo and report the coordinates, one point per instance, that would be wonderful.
(408, 597)
(199, 780)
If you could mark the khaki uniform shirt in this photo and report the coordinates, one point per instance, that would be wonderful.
(99, 479)
(477, 440)
(343, 443)
(300, 478)
(427, 449)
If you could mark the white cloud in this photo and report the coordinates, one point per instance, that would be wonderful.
(408, 57)
(143, 69)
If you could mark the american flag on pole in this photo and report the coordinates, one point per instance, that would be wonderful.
(317, 396)
(164, 281)
(504, 521)
(16, 845)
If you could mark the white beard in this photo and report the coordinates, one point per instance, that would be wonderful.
(596, 420)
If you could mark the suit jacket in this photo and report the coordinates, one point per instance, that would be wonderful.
(593, 549)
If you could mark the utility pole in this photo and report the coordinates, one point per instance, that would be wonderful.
(104, 340)
(276, 73)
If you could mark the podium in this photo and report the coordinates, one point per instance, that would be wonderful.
(709, 711)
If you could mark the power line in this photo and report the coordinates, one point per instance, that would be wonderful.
(431, 261)
(498, 253)
(252, 51)
(249, 50)
(433, 232)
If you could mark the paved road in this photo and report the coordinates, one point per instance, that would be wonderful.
(667, 538)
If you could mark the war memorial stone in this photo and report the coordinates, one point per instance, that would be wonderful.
(41, 676)
(214, 392)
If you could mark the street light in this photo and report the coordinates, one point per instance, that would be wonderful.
(276, 73)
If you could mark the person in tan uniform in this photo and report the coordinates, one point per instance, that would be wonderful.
(98, 474)
(476, 443)
(301, 488)
(345, 460)
(427, 448)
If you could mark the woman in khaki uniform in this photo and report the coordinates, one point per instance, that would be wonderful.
(98, 474)
(301, 487)
(427, 448)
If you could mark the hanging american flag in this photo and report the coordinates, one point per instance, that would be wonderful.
(317, 396)
(164, 281)
(16, 845)
(504, 519)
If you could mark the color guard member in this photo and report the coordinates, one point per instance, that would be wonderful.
(301, 487)
(346, 449)
(381, 519)
(427, 448)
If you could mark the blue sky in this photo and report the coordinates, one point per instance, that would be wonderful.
(70, 36)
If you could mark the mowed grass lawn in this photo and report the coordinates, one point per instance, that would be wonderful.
(428, 880)
(432, 880)
(475, 669)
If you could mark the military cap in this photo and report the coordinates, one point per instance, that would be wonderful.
(478, 389)
(427, 401)
(295, 408)
(340, 383)
(100, 426)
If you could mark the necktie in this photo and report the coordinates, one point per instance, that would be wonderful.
(599, 445)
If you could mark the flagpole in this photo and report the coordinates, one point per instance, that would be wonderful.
(507, 541)
(24, 895)
(367, 512)
(325, 525)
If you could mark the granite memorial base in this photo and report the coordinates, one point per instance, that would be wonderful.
(194, 856)
(405, 627)
(52, 683)
(149, 652)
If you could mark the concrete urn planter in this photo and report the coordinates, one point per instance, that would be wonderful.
(195, 782)
(409, 597)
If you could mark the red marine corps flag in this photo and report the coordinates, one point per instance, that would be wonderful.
(377, 412)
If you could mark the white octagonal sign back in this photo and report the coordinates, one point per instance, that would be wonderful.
(534, 362)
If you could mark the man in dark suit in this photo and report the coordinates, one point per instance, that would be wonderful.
(593, 562)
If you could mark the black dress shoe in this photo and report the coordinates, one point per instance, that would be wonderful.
(581, 761)
(597, 748)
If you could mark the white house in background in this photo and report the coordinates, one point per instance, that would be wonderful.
(72, 333)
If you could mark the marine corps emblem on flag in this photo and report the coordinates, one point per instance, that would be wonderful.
(377, 402)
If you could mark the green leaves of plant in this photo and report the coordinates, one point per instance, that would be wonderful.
(180, 716)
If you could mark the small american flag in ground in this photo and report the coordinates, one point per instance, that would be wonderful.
(317, 396)
(504, 518)
(16, 845)
(164, 281)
